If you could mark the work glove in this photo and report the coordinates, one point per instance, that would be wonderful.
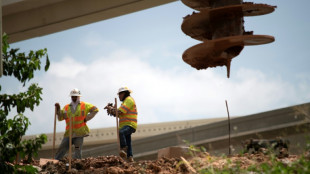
(58, 111)
(108, 105)
(57, 107)
(113, 112)
(110, 109)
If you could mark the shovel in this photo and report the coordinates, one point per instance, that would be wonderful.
(70, 142)
(117, 130)
(44, 160)
(54, 135)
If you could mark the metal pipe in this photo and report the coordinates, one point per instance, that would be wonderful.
(229, 150)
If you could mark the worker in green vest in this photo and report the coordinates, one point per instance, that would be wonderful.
(127, 121)
(80, 112)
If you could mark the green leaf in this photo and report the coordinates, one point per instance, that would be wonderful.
(47, 65)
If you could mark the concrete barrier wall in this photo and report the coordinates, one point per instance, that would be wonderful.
(103, 136)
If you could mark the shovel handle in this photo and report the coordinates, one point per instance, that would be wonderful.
(70, 142)
(54, 136)
(117, 130)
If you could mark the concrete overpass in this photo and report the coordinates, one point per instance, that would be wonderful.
(25, 19)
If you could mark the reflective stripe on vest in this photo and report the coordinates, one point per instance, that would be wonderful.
(77, 119)
(127, 119)
(93, 109)
(76, 126)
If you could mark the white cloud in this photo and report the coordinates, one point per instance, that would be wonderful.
(68, 68)
(161, 95)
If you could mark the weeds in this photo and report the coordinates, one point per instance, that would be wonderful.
(247, 163)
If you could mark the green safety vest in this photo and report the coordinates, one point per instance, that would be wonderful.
(79, 127)
(129, 114)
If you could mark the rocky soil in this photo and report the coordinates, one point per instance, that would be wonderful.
(116, 165)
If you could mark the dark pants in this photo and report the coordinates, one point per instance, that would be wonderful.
(125, 138)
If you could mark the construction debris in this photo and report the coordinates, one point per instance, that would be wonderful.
(174, 152)
(220, 27)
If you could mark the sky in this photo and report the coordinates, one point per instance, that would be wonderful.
(143, 51)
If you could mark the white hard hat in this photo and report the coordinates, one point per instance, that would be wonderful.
(75, 92)
(122, 89)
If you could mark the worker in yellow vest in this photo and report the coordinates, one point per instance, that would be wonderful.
(81, 112)
(127, 121)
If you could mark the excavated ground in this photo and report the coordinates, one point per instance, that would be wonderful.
(116, 165)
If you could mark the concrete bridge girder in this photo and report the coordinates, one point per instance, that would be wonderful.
(26, 19)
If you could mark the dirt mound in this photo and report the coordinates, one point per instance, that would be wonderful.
(116, 165)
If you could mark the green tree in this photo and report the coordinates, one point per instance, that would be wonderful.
(22, 67)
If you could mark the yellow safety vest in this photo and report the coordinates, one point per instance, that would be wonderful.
(79, 127)
(129, 114)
